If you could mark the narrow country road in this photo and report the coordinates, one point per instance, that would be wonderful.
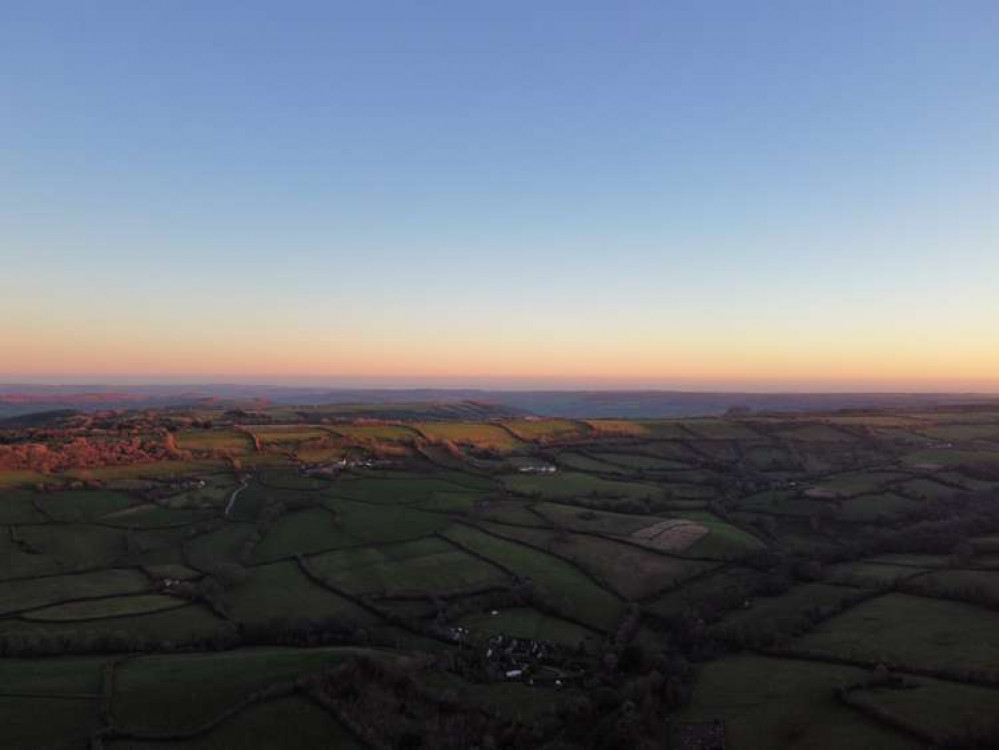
(232, 498)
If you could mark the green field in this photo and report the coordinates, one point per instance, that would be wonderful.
(574, 485)
(470, 433)
(185, 690)
(279, 590)
(900, 629)
(226, 441)
(40, 592)
(752, 571)
(569, 591)
(780, 703)
(428, 565)
(95, 609)
(284, 722)
(542, 430)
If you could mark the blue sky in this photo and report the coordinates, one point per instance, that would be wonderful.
(764, 195)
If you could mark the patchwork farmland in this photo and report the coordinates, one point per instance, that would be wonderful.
(423, 576)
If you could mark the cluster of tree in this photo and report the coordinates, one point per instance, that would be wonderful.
(302, 632)
(82, 453)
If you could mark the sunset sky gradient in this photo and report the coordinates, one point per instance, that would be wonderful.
(704, 195)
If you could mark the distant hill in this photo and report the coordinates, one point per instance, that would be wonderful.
(18, 399)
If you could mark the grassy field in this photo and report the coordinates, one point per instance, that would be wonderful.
(629, 571)
(817, 434)
(617, 427)
(868, 574)
(663, 546)
(278, 590)
(868, 508)
(291, 722)
(781, 703)
(541, 430)
(641, 462)
(373, 524)
(427, 565)
(67, 675)
(80, 506)
(184, 690)
(569, 485)
(75, 547)
(303, 532)
(18, 508)
(948, 711)
(604, 522)
(376, 432)
(723, 541)
(40, 592)
(470, 433)
(846, 485)
(945, 457)
(901, 629)
(67, 724)
(116, 606)
(781, 614)
(722, 429)
(227, 441)
(570, 592)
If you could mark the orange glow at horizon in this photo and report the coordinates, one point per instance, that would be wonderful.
(761, 363)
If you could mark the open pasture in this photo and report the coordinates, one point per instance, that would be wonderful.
(151, 516)
(870, 508)
(722, 429)
(573, 485)
(285, 436)
(477, 434)
(291, 722)
(281, 590)
(950, 457)
(176, 691)
(374, 524)
(62, 676)
(76, 546)
(630, 572)
(903, 630)
(115, 606)
(70, 507)
(599, 521)
(567, 590)
(816, 433)
(779, 616)
(429, 565)
(617, 427)
(869, 574)
(782, 703)
(724, 541)
(302, 532)
(232, 442)
(34, 593)
(581, 462)
(392, 433)
(950, 712)
(18, 507)
(854, 483)
(546, 430)
(67, 724)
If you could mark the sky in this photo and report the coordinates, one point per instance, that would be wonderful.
(559, 193)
